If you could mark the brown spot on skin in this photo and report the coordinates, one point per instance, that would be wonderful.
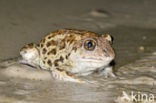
(56, 64)
(59, 69)
(51, 43)
(49, 62)
(61, 59)
(44, 51)
(44, 62)
(45, 58)
(69, 74)
(75, 49)
(48, 44)
(53, 51)
(41, 45)
(49, 37)
(67, 56)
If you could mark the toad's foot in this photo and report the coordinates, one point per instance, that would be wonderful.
(108, 72)
(60, 74)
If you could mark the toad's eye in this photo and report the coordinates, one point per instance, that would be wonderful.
(90, 45)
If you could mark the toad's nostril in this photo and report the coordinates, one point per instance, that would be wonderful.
(104, 50)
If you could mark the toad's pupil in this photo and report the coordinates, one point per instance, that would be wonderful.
(90, 44)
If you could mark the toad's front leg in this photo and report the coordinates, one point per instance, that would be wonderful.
(108, 72)
(61, 74)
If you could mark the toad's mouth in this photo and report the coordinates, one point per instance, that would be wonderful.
(98, 60)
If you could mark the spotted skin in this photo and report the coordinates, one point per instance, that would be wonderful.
(69, 52)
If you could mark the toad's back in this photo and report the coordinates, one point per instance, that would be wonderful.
(56, 47)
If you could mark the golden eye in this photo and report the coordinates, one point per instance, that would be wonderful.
(89, 45)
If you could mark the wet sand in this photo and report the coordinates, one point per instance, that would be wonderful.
(131, 23)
